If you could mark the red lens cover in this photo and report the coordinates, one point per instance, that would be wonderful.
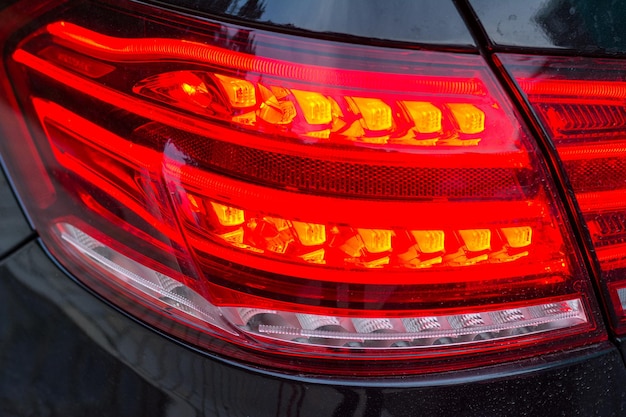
(580, 103)
(325, 200)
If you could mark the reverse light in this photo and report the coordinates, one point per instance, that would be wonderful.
(323, 203)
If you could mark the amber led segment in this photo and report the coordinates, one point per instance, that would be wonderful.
(310, 234)
(469, 117)
(427, 117)
(376, 240)
(476, 240)
(240, 93)
(518, 237)
(189, 90)
(227, 216)
(316, 107)
(376, 113)
(429, 241)
(276, 112)
(349, 246)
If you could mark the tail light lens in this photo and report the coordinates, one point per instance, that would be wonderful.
(291, 202)
(580, 102)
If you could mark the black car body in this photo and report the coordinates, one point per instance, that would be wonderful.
(71, 344)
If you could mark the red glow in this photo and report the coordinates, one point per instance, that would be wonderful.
(582, 106)
(577, 90)
(174, 164)
(115, 49)
(591, 202)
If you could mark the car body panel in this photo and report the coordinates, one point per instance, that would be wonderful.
(431, 22)
(581, 26)
(13, 226)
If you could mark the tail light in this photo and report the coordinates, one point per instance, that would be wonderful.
(581, 105)
(302, 204)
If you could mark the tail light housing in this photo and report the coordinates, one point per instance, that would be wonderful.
(295, 203)
(580, 103)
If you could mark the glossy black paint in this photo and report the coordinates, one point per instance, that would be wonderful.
(581, 26)
(64, 352)
(13, 226)
(434, 22)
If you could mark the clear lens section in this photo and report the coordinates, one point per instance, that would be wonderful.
(621, 293)
(125, 271)
(409, 331)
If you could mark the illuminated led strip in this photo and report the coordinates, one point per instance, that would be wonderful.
(593, 201)
(310, 207)
(365, 247)
(597, 150)
(199, 126)
(573, 88)
(142, 49)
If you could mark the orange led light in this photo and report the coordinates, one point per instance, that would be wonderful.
(315, 107)
(429, 241)
(228, 216)
(376, 113)
(275, 111)
(183, 89)
(518, 237)
(310, 234)
(376, 240)
(476, 240)
(280, 224)
(470, 118)
(376, 263)
(240, 93)
(353, 246)
(426, 116)
(195, 204)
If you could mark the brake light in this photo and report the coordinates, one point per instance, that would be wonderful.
(581, 105)
(306, 201)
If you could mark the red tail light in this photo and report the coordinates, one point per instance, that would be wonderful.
(581, 105)
(306, 201)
